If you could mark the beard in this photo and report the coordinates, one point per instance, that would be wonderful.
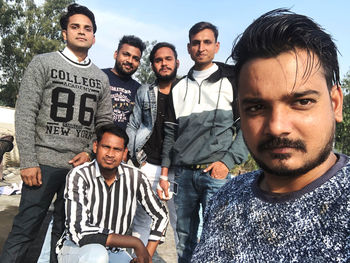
(169, 77)
(118, 66)
(282, 169)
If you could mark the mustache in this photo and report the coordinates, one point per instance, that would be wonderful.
(280, 142)
(128, 64)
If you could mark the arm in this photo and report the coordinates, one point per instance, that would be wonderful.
(236, 154)
(135, 121)
(154, 208)
(78, 213)
(142, 254)
(27, 110)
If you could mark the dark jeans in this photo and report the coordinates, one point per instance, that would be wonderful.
(194, 188)
(33, 207)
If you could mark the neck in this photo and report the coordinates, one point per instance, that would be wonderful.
(164, 86)
(200, 67)
(81, 54)
(115, 72)
(108, 175)
(285, 184)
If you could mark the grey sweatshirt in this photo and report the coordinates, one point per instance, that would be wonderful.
(60, 103)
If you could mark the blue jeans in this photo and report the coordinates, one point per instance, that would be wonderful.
(194, 188)
(91, 253)
(35, 202)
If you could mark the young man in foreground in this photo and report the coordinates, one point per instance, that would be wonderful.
(296, 209)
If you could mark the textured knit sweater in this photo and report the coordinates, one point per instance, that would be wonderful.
(60, 103)
(245, 224)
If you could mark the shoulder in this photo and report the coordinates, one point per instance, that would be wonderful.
(85, 169)
(237, 189)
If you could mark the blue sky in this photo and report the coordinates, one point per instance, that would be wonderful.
(170, 21)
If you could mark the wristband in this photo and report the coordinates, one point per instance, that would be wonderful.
(163, 177)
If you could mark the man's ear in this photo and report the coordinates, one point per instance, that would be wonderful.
(125, 154)
(115, 54)
(177, 63)
(189, 48)
(64, 35)
(94, 146)
(337, 102)
(217, 47)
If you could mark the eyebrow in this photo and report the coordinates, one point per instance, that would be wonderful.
(294, 95)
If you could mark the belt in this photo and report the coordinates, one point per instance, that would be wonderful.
(197, 166)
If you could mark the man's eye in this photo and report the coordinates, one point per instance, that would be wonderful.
(305, 101)
(254, 108)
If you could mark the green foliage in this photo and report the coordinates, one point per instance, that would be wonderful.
(145, 74)
(25, 30)
(342, 138)
(248, 166)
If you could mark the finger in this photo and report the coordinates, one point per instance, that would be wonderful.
(74, 159)
(25, 180)
(39, 177)
(209, 168)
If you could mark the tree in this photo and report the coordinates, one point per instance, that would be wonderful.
(25, 30)
(145, 74)
(342, 138)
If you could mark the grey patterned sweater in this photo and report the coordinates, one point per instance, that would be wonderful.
(244, 224)
(60, 103)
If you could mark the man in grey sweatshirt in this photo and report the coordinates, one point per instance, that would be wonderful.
(62, 99)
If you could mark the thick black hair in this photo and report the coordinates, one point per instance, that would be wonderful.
(132, 41)
(160, 45)
(281, 30)
(74, 9)
(112, 128)
(201, 26)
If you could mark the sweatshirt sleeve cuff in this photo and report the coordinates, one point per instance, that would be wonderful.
(228, 161)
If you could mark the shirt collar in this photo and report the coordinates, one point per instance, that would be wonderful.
(69, 54)
(98, 173)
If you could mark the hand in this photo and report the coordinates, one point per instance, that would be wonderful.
(163, 187)
(79, 159)
(32, 176)
(142, 255)
(164, 184)
(218, 170)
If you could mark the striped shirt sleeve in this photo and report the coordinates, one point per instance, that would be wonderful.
(154, 208)
(78, 212)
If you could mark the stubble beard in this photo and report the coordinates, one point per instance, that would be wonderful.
(169, 77)
(283, 170)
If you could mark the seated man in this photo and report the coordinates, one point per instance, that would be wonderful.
(101, 198)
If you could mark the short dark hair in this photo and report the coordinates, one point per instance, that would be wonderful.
(74, 9)
(112, 128)
(281, 30)
(132, 41)
(160, 45)
(201, 26)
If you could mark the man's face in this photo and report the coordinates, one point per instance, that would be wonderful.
(287, 118)
(203, 48)
(110, 151)
(127, 60)
(79, 34)
(164, 64)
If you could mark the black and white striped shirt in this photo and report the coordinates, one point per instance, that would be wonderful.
(94, 209)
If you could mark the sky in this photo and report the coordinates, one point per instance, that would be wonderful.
(170, 21)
